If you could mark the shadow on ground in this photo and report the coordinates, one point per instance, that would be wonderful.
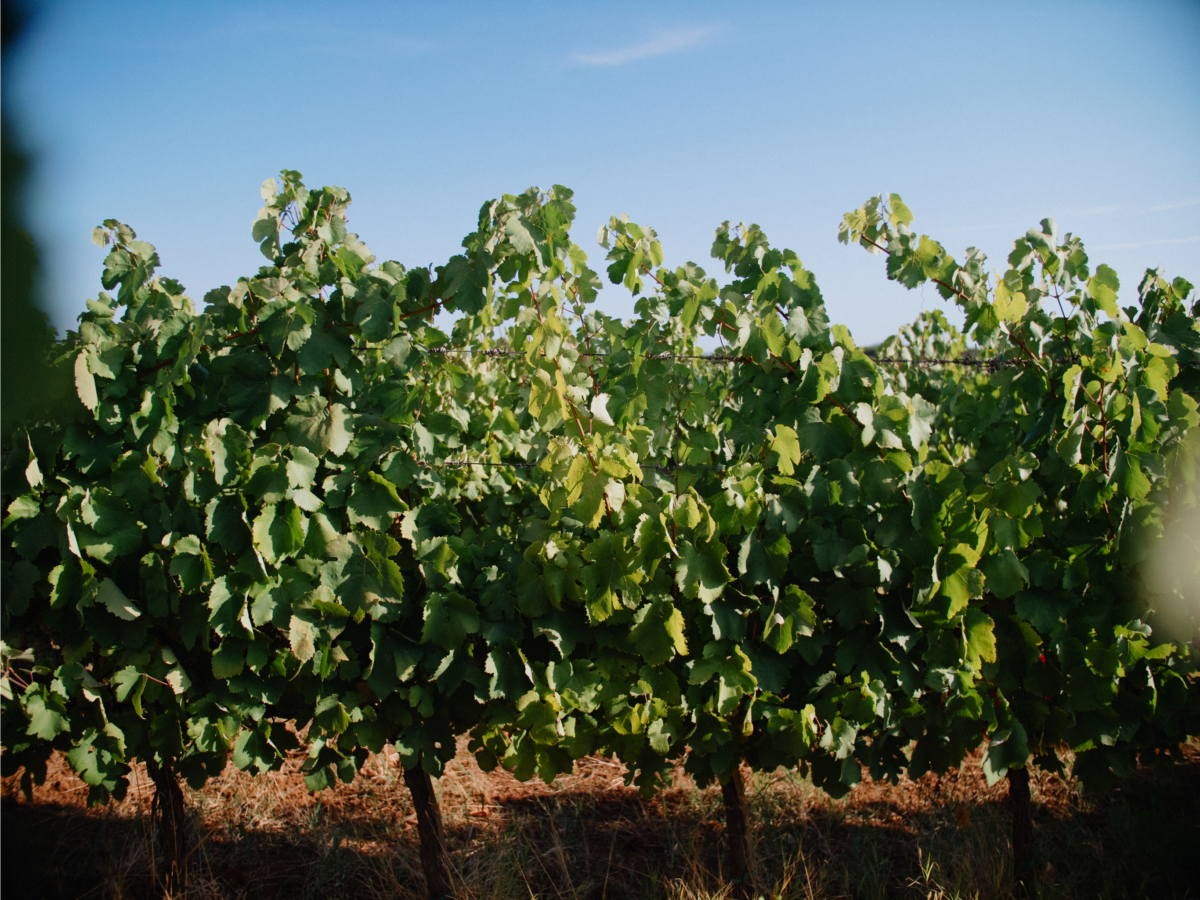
(939, 837)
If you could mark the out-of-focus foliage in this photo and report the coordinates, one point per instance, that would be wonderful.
(28, 384)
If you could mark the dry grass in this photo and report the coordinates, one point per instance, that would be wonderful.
(588, 837)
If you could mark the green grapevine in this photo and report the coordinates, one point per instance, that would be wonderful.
(307, 517)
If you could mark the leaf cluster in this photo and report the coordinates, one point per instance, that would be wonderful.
(305, 516)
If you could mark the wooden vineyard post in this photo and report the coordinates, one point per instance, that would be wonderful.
(168, 813)
(435, 858)
(1022, 834)
(734, 792)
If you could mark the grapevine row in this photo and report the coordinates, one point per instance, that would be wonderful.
(305, 517)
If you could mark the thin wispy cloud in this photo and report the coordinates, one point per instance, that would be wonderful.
(1034, 222)
(663, 43)
(1181, 204)
(1068, 215)
(993, 226)
(1143, 210)
(1134, 245)
(1090, 211)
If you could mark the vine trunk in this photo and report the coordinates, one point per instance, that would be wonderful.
(1022, 834)
(734, 792)
(170, 818)
(435, 858)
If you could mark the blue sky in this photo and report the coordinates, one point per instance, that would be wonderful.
(985, 117)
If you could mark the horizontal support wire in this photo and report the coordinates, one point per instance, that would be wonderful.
(991, 364)
(459, 463)
(717, 358)
(452, 463)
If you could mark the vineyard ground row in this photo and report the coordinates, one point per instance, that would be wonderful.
(587, 835)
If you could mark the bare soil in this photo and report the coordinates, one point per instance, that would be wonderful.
(587, 835)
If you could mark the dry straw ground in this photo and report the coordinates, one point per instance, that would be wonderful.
(588, 836)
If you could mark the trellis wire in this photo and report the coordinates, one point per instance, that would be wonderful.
(459, 463)
(717, 358)
(992, 364)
